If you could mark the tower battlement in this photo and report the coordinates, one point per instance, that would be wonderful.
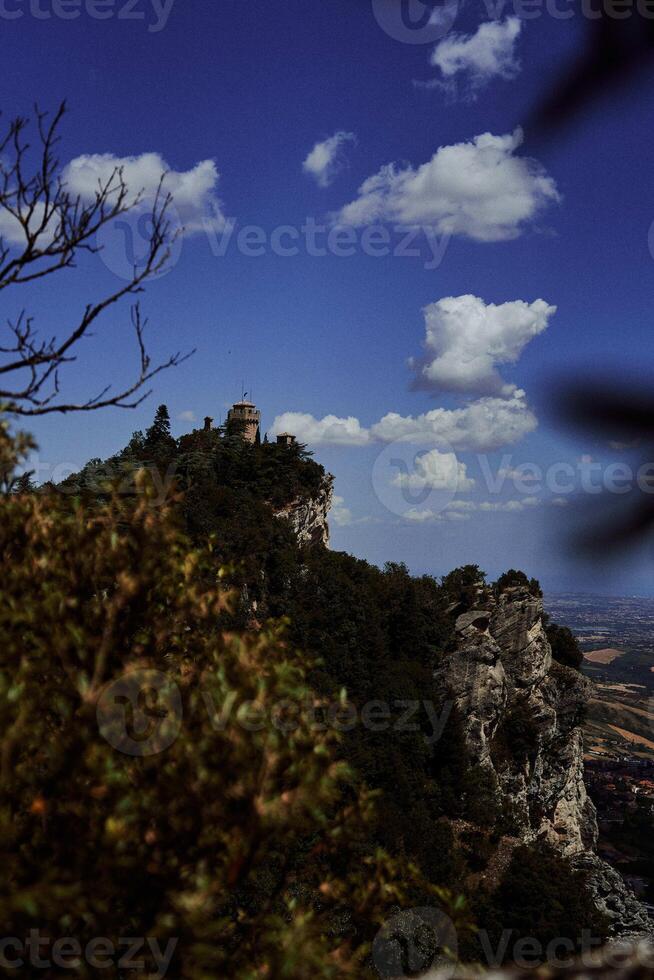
(249, 416)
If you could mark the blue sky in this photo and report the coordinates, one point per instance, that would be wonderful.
(254, 88)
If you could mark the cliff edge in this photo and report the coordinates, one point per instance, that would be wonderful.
(522, 714)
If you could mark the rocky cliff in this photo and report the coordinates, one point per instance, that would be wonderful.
(308, 515)
(521, 714)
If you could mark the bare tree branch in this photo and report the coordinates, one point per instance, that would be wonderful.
(56, 226)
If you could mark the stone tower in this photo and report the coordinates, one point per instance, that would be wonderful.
(249, 415)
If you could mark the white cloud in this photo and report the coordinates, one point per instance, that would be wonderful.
(11, 230)
(436, 471)
(340, 514)
(481, 426)
(467, 338)
(460, 510)
(419, 515)
(329, 430)
(488, 53)
(522, 472)
(461, 505)
(326, 158)
(193, 191)
(422, 516)
(186, 416)
(509, 506)
(479, 189)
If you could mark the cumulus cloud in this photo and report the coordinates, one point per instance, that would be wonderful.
(11, 230)
(481, 426)
(329, 430)
(186, 416)
(467, 338)
(477, 58)
(461, 510)
(326, 159)
(193, 191)
(436, 471)
(480, 189)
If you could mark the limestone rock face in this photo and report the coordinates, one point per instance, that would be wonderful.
(521, 714)
(517, 627)
(308, 516)
(475, 677)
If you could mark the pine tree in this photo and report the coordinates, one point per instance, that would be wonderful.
(159, 446)
(160, 428)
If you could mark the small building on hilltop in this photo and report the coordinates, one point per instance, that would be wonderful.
(286, 439)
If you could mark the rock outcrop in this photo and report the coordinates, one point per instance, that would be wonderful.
(521, 714)
(308, 515)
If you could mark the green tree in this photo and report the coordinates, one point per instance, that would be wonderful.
(514, 578)
(464, 584)
(565, 647)
(159, 431)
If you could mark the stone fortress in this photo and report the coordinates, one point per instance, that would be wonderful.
(249, 416)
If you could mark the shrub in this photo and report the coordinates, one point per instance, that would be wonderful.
(514, 578)
(565, 647)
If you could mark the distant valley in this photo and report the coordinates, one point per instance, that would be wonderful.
(616, 635)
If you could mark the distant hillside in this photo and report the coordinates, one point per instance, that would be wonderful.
(616, 635)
